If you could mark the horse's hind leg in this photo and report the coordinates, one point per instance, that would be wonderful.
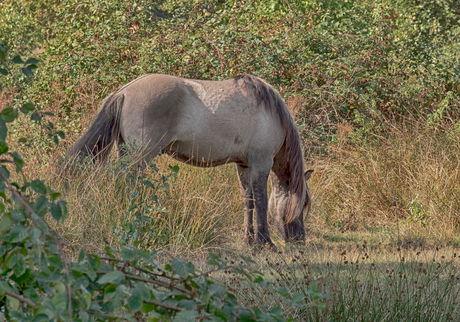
(248, 202)
(121, 147)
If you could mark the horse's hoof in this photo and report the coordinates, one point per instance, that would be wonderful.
(248, 240)
(265, 245)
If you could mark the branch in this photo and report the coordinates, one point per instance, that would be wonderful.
(218, 54)
(143, 270)
(173, 307)
(155, 282)
(21, 299)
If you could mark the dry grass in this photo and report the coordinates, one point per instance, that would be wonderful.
(403, 186)
(381, 283)
(199, 208)
(399, 187)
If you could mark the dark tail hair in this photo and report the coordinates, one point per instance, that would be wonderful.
(104, 130)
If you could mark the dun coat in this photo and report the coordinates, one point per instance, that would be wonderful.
(242, 120)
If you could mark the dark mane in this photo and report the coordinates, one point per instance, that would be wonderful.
(293, 157)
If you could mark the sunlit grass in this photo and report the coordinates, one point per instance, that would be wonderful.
(382, 283)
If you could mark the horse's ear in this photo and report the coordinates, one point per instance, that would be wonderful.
(307, 174)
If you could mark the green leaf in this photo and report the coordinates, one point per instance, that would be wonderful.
(17, 60)
(3, 71)
(54, 195)
(40, 204)
(81, 255)
(3, 147)
(36, 117)
(59, 210)
(186, 316)
(218, 289)
(14, 304)
(38, 186)
(115, 277)
(59, 302)
(175, 168)
(2, 288)
(26, 71)
(5, 172)
(17, 215)
(84, 316)
(5, 222)
(32, 61)
(128, 253)
(181, 267)
(20, 266)
(27, 108)
(34, 234)
(86, 297)
(143, 291)
(41, 317)
(9, 114)
(18, 161)
(148, 184)
(18, 234)
(94, 261)
(56, 211)
(297, 297)
(2, 52)
(135, 302)
(283, 291)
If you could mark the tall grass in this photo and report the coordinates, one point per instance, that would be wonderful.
(403, 184)
(183, 211)
(362, 283)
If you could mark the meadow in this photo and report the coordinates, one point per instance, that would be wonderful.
(374, 89)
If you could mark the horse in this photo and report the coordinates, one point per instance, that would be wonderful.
(241, 120)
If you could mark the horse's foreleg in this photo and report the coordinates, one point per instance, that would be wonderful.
(259, 187)
(248, 202)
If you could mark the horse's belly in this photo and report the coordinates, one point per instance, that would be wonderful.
(201, 154)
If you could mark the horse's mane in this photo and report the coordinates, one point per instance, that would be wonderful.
(293, 157)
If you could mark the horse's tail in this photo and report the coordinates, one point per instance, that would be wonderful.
(104, 130)
(293, 152)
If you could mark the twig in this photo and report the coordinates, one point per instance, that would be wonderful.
(218, 54)
(143, 270)
(155, 282)
(173, 307)
(21, 299)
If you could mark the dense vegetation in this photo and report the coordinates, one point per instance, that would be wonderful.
(374, 86)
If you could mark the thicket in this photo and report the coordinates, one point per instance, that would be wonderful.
(359, 61)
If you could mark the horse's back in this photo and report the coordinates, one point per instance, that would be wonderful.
(212, 121)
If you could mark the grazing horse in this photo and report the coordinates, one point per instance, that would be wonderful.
(242, 120)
